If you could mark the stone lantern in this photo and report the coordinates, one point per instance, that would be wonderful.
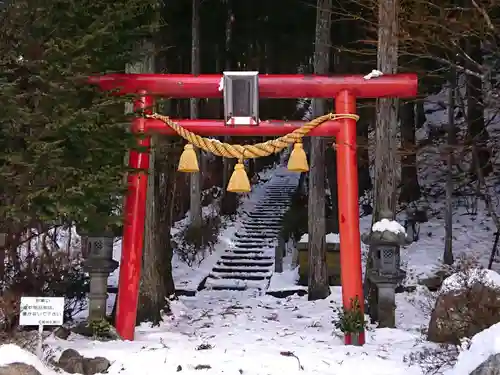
(99, 264)
(386, 273)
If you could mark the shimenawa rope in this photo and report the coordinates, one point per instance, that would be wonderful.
(239, 180)
(250, 151)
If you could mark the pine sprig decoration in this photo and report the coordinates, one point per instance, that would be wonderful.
(350, 320)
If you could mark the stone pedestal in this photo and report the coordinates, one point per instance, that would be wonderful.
(332, 261)
(99, 264)
(386, 298)
(387, 304)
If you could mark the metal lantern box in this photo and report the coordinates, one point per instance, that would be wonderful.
(241, 98)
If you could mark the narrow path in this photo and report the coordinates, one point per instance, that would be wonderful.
(249, 264)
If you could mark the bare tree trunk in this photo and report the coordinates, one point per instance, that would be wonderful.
(410, 188)
(420, 113)
(478, 133)
(68, 243)
(156, 282)
(195, 178)
(332, 224)
(318, 286)
(229, 202)
(165, 193)
(387, 112)
(448, 239)
(149, 306)
(3, 251)
(385, 132)
(366, 114)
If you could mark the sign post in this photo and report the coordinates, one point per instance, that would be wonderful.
(41, 311)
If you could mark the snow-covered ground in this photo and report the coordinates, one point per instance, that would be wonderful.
(226, 332)
(249, 332)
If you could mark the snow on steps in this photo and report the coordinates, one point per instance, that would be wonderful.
(252, 235)
(220, 268)
(232, 284)
(245, 262)
(255, 251)
(250, 263)
(235, 256)
(262, 228)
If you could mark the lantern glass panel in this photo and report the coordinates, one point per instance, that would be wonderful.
(388, 260)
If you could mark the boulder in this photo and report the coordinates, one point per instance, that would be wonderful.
(489, 367)
(18, 368)
(105, 331)
(74, 363)
(71, 361)
(434, 282)
(464, 311)
(62, 333)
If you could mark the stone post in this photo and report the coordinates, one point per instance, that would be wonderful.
(99, 264)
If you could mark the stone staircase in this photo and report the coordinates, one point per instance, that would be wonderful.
(249, 264)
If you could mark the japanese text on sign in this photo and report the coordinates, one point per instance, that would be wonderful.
(46, 311)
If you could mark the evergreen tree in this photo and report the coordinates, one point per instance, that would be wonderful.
(62, 142)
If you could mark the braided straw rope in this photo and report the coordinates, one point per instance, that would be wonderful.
(249, 151)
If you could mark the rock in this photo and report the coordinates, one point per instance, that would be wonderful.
(95, 365)
(62, 333)
(18, 368)
(464, 312)
(489, 367)
(434, 282)
(71, 361)
(85, 329)
(74, 363)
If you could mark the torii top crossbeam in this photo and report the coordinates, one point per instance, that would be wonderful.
(270, 85)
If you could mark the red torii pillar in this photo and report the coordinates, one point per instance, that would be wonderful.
(345, 90)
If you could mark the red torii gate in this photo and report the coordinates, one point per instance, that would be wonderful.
(345, 90)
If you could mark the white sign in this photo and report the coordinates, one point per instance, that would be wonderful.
(41, 311)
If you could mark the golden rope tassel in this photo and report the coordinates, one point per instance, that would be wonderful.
(297, 162)
(188, 162)
(239, 182)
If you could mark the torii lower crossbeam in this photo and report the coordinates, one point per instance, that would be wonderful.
(212, 128)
